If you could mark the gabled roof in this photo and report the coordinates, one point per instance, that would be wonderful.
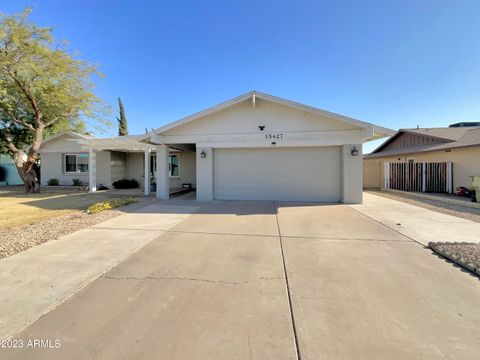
(253, 95)
(71, 134)
(449, 133)
(449, 138)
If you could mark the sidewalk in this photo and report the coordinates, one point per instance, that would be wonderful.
(37, 280)
(419, 224)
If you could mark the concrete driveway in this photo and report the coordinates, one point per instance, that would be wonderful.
(265, 280)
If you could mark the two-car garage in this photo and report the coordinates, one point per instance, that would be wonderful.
(261, 147)
(288, 173)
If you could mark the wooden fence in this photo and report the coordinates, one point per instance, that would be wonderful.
(425, 177)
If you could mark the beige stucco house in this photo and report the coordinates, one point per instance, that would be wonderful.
(253, 147)
(458, 144)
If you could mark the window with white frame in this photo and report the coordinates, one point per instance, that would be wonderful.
(173, 165)
(76, 163)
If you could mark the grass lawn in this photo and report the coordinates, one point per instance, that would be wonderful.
(17, 208)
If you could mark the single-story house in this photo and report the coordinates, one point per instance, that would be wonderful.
(253, 147)
(459, 144)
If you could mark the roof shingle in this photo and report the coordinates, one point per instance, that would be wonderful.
(457, 137)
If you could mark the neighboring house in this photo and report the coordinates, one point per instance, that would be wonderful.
(458, 143)
(11, 173)
(253, 147)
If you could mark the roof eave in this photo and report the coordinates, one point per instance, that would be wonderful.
(68, 132)
(373, 155)
(379, 132)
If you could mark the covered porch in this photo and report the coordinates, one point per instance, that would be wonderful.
(175, 169)
(127, 158)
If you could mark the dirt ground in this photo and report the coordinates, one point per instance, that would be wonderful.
(18, 208)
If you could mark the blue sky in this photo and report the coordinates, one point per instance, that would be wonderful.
(393, 63)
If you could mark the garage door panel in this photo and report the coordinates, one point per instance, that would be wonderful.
(296, 174)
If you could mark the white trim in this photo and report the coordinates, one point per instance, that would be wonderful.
(169, 164)
(204, 170)
(337, 137)
(92, 171)
(163, 182)
(258, 144)
(380, 131)
(69, 133)
(424, 176)
(76, 163)
(449, 177)
(146, 169)
(386, 175)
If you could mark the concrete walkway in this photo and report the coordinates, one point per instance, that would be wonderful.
(266, 280)
(419, 224)
(35, 281)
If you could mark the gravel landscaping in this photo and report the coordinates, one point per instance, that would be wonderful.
(466, 255)
(20, 238)
(463, 212)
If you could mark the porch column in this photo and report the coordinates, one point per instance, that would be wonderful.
(163, 181)
(205, 173)
(147, 172)
(92, 171)
(352, 174)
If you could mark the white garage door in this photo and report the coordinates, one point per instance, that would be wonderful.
(292, 174)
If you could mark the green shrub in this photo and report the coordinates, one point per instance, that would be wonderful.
(77, 182)
(110, 204)
(125, 184)
(53, 182)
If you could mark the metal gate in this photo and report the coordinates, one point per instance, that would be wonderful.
(425, 177)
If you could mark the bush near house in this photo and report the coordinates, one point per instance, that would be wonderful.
(110, 204)
(125, 184)
(77, 182)
(53, 182)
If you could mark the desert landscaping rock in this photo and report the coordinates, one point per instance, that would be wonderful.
(20, 238)
(464, 254)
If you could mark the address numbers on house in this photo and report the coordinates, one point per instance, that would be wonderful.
(274, 136)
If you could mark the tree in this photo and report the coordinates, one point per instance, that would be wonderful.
(43, 90)
(122, 120)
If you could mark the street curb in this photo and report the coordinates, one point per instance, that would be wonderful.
(454, 259)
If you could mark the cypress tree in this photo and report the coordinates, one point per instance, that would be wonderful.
(122, 120)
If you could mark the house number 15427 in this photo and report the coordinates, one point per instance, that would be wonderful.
(273, 136)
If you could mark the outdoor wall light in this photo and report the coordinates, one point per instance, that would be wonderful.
(203, 154)
(261, 127)
(354, 151)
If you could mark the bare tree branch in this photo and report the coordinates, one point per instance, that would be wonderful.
(10, 144)
(30, 99)
(23, 123)
(15, 119)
